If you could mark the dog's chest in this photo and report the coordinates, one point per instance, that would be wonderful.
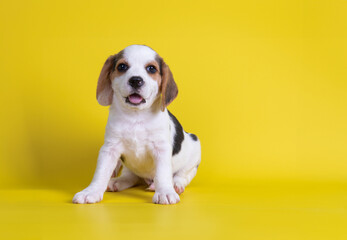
(137, 152)
(135, 140)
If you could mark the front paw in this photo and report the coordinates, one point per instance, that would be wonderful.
(166, 197)
(88, 196)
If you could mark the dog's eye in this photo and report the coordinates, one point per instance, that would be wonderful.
(151, 69)
(122, 67)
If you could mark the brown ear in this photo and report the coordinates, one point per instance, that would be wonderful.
(104, 92)
(169, 88)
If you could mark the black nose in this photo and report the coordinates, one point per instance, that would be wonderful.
(136, 82)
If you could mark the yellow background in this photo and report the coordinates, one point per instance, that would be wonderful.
(262, 83)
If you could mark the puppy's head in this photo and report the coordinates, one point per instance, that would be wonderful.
(136, 77)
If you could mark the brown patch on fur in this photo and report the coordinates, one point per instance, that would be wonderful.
(104, 92)
(115, 72)
(157, 75)
(168, 87)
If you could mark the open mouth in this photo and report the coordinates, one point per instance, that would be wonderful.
(135, 99)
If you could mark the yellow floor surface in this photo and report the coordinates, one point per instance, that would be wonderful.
(233, 211)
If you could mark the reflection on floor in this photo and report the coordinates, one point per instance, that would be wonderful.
(234, 211)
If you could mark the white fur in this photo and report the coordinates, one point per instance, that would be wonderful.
(144, 135)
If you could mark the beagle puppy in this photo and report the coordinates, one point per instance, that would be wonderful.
(141, 134)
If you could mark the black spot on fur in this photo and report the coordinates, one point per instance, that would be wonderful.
(159, 60)
(179, 136)
(116, 59)
(122, 158)
(193, 136)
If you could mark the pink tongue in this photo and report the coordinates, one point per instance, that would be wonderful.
(135, 98)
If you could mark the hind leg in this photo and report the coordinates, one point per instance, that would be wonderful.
(126, 180)
(182, 178)
(185, 175)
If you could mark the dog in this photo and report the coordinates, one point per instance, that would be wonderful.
(141, 135)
